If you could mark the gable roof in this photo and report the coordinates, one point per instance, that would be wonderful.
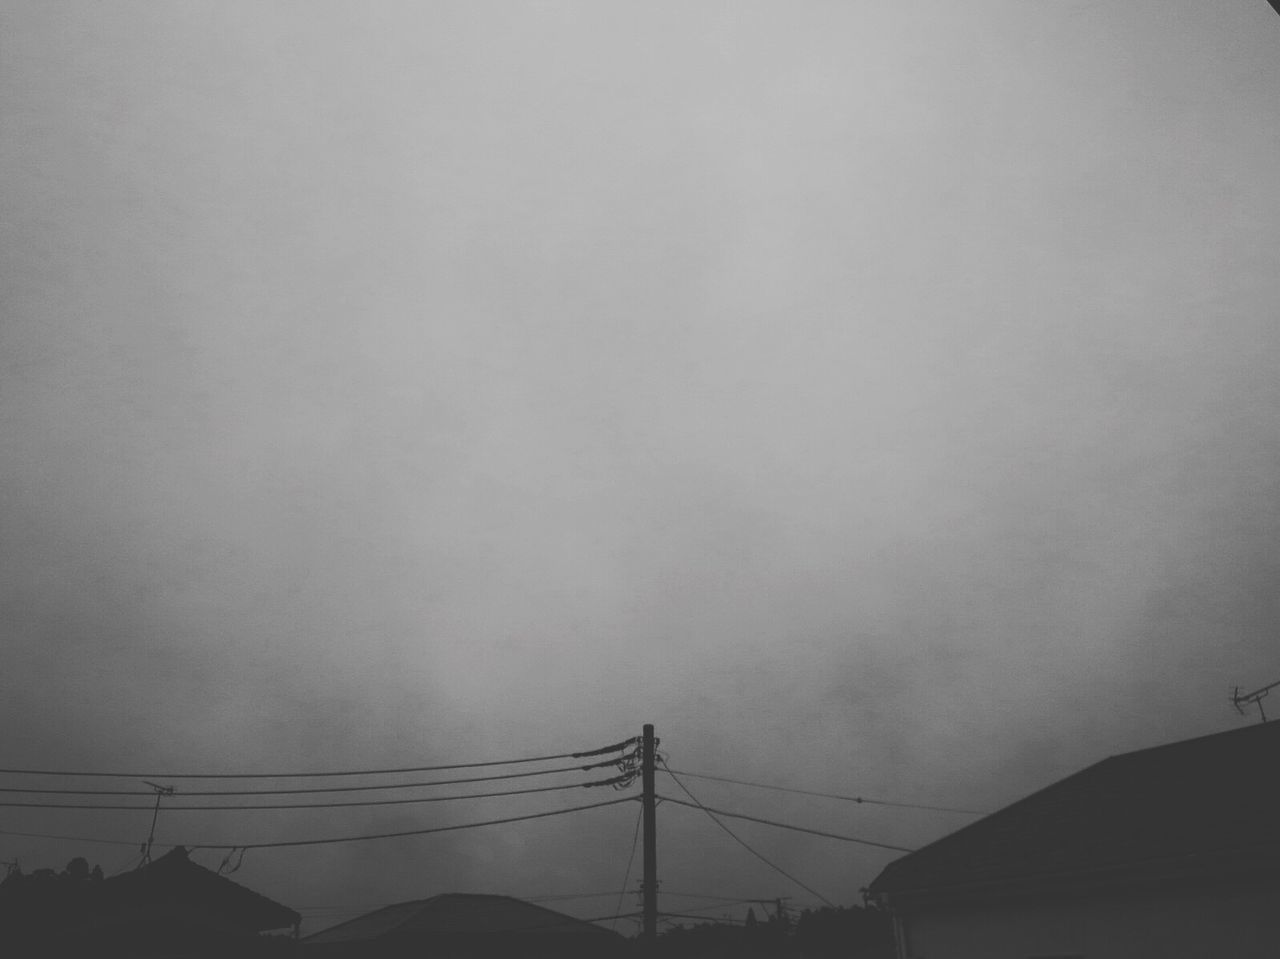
(460, 914)
(173, 883)
(1192, 808)
(170, 900)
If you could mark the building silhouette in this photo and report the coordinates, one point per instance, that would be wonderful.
(168, 907)
(466, 926)
(1172, 852)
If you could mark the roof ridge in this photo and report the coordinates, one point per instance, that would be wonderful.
(516, 899)
(1252, 728)
(373, 912)
(1085, 769)
(527, 917)
(1129, 794)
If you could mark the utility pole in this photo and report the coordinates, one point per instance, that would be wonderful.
(649, 807)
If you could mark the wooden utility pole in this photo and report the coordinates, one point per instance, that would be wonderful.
(649, 806)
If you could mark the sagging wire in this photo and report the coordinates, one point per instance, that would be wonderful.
(310, 789)
(227, 861)
(741, 842)
(615, 747)
(617, 910)
(618, 782)
(825, 795)
(288, 843)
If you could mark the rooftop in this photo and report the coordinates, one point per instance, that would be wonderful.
(174, 881)
(454, 914)
(1195, 805)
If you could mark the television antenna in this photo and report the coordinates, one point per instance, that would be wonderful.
(1239, 700)
(161, 792)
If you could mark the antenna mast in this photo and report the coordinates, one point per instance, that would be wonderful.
(161, 792)
(1239, 700)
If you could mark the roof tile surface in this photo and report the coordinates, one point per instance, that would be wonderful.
(1211, 798)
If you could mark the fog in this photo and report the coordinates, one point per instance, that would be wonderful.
(878, 398)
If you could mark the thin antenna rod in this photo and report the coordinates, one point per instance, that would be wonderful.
(161, 792)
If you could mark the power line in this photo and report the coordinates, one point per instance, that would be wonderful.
(562, 921)
(725, 905)
(614, 747)
(410, 832)
(630, 859)
(311, 789)
(685, 915)
(568, 921)
(45, 835)
(102, 807)
(329, 912)
(611, 748)
(565, 896)
(810, 792)
(743, 842)
(662, 892)
(625, 915)
(725, 900)
(782, 825)
(549, 897)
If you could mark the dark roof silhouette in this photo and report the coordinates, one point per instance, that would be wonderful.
(1197, 809)
(169, 907)
(453, 915)
(174, 884)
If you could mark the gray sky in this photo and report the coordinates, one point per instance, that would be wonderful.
(877, 397)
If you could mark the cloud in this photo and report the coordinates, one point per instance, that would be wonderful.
(874, 399)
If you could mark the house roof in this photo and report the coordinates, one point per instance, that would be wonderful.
(167, 897)
(459, 914)
(174, 882)
(1191, 807)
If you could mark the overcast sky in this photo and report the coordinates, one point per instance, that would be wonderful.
(878, 397)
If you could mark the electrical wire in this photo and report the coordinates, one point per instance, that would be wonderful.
(312, 789)
(611, 748)
(614, 747)
(725, 905)
(566, 896)
(741, 842)
(102, 807)
(810, 792)
(627, 874)
(569, 921)
(564, 920)
(553, 897)
(726, 900)
(125, 865)
(685, 915)
(45, 835)
(782, 825)
(280, 844)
